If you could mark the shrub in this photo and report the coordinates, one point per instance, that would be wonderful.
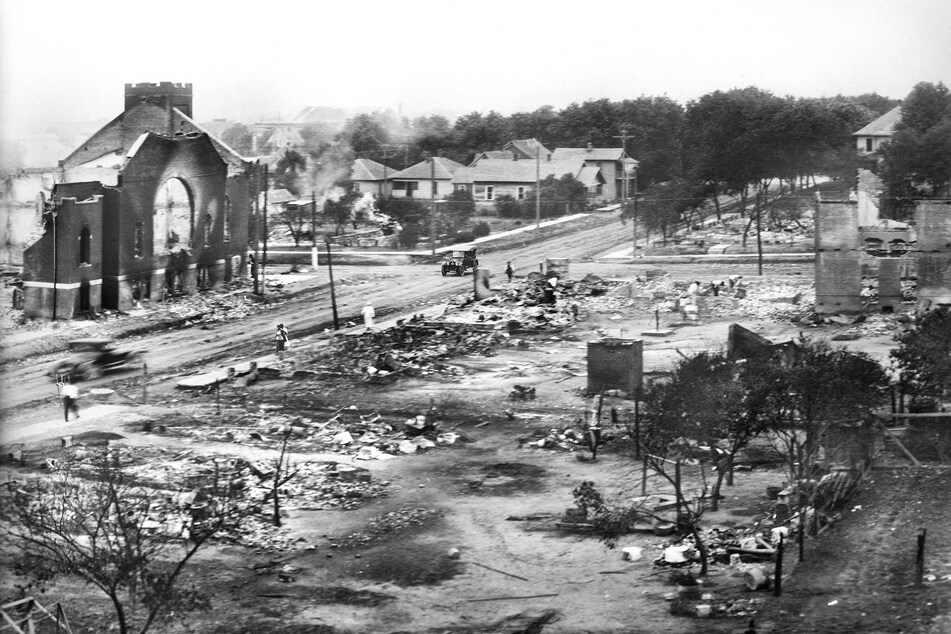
(481, 229)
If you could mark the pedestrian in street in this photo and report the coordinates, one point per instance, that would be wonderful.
(693, 289)
(593, 436)
(70, 393)
(509, 271)
(280, 340)
(734, 280)
(716, 286)
(368, 315)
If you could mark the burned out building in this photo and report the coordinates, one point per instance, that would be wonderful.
(150, 204)
(854, 247)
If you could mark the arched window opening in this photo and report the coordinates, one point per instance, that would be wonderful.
(85, 238)
(173, 218)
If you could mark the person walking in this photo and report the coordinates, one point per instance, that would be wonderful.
(509, 271)
(368, 315)
(69, 393)
(593, 436)
(281, 338)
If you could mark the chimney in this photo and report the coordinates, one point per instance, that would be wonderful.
(590, 147)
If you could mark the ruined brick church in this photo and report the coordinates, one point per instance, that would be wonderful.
(150, 204)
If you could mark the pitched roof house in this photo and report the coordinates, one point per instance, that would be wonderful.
(491, 178)
(369, 176)
(613, 162)
(439, 171)
(869, 139)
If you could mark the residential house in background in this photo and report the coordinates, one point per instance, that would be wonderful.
(150, 204)
(869, 140)
(490, 178)
(520, 149)
(368, 176)
(432, 178)
(612, 162)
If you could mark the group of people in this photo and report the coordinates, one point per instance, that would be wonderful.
(716, 286)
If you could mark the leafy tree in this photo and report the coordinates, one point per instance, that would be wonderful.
(431, 135)
(666, 205)
(341, 210)
(365, 133)
(539, 124)
(289, 170)
(592, 122)
(476, 133)
(923, 356)
(458, 209)
(90, 519)
(239, 138)
(817, 389)
(656, 126)
(559, 196)
(916, 163)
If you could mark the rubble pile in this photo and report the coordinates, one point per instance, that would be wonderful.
(348, 432)
(524, 307)
(185, 482)
(565, 439)
(412, 349)
(388, 524)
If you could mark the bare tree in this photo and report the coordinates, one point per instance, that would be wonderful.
(90, 519)
(284, 472)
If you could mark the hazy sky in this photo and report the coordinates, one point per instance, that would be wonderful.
(68, 59)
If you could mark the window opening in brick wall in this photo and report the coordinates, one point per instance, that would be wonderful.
(173, 218)
(85, 249)
(139, 243)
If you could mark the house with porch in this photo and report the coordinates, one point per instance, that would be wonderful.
(490, 178)
(431, 178)
(614, 164)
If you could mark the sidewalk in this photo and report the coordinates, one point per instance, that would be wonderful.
(425, 252)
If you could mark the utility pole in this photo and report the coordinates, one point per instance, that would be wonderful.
(538, 186)
(55, 261)
(264, 252)
(333, 295)
(624, 136)
(257, 227)
(313, 229)
(432, 201)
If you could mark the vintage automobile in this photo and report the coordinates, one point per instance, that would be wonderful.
(459, 260)
(91, 357)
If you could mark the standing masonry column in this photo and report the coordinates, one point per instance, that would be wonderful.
(838, 266)
(933, 229)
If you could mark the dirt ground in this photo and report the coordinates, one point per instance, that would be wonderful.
(380, 562)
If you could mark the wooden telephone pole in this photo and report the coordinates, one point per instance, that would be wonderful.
(624, 136)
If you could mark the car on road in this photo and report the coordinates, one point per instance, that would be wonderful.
(458, 260)
(90, 358)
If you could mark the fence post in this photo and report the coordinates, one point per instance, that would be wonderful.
(920, 558)
(778, 572)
